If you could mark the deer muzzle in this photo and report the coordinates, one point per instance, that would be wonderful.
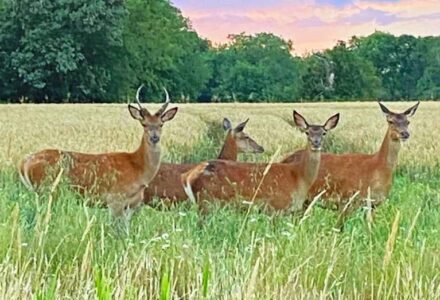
(154, 139)
(404, 135)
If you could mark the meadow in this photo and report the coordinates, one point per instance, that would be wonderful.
(52, 246)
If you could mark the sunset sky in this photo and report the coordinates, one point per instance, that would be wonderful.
(311, 24)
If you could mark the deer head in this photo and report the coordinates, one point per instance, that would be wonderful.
(315, 133)
(245, 144)
(152, 123)
(398, 122)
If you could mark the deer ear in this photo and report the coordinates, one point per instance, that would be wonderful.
(412, 110)
(169, 114)
(384, 109)
(300, 122)
(227, 124)
(135, 113)
(331, 122)
(240, 127)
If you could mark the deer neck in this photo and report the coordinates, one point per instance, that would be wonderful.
(310, 165)
(389, 151)
(149, 158)
(229, 150)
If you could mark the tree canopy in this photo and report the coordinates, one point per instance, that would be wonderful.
(60, 50)
(255, 68)
(101, 51)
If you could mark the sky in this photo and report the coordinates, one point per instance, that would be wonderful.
(311, 24)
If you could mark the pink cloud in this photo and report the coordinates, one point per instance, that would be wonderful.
(403, 8)
(313, 26)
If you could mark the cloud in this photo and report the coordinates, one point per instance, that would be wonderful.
(312, 24)
(403, 8)
(367, 15)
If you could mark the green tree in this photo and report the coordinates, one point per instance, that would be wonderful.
(163, 50)
(412, 52)
(399, 62)
(428, 86)
(61, 49)
(355, 77)
(340, 74)
(317, 77)
(255, 68)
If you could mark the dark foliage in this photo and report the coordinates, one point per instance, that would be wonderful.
(100, 51)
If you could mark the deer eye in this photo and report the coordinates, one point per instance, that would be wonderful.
(324, 133)
(407, 123)
(307, 132)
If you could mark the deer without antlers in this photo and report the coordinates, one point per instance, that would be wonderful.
(118, 178)
(167, 183)
(342, 175)
(280, 186)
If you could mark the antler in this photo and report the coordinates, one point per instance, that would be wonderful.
(165, 105)
(137, 96)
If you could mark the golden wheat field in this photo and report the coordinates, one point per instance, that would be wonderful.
(59, 248)
(105, 128)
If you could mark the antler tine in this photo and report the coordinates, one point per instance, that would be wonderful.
(165, 105)
(137, 96)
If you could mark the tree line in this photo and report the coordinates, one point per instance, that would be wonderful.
(101, 51)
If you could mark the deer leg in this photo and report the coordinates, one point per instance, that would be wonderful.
(135, 200)
(114, 204)
(117, 213)
(131, 206)
(122, 208)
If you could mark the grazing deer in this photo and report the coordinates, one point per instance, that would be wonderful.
(280, 186)
(118, 179)
(167, 183)
(343, 175)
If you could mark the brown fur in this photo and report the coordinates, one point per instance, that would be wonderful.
(167, 183)
(283, 187)
(118, 179)
(279, 186)
(342, 175)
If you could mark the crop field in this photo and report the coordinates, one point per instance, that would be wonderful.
(53, 246)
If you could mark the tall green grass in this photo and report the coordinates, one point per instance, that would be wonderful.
(65, 249)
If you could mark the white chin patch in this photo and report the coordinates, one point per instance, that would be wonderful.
(316, 149)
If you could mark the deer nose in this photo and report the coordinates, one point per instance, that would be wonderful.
(154, 139)
(316, 143)
(404, 135)
(315, 146)
(260, 150)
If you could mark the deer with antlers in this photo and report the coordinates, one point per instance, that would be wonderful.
(343, 175)
(280, 186)
(167, 183)
(118, 179)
